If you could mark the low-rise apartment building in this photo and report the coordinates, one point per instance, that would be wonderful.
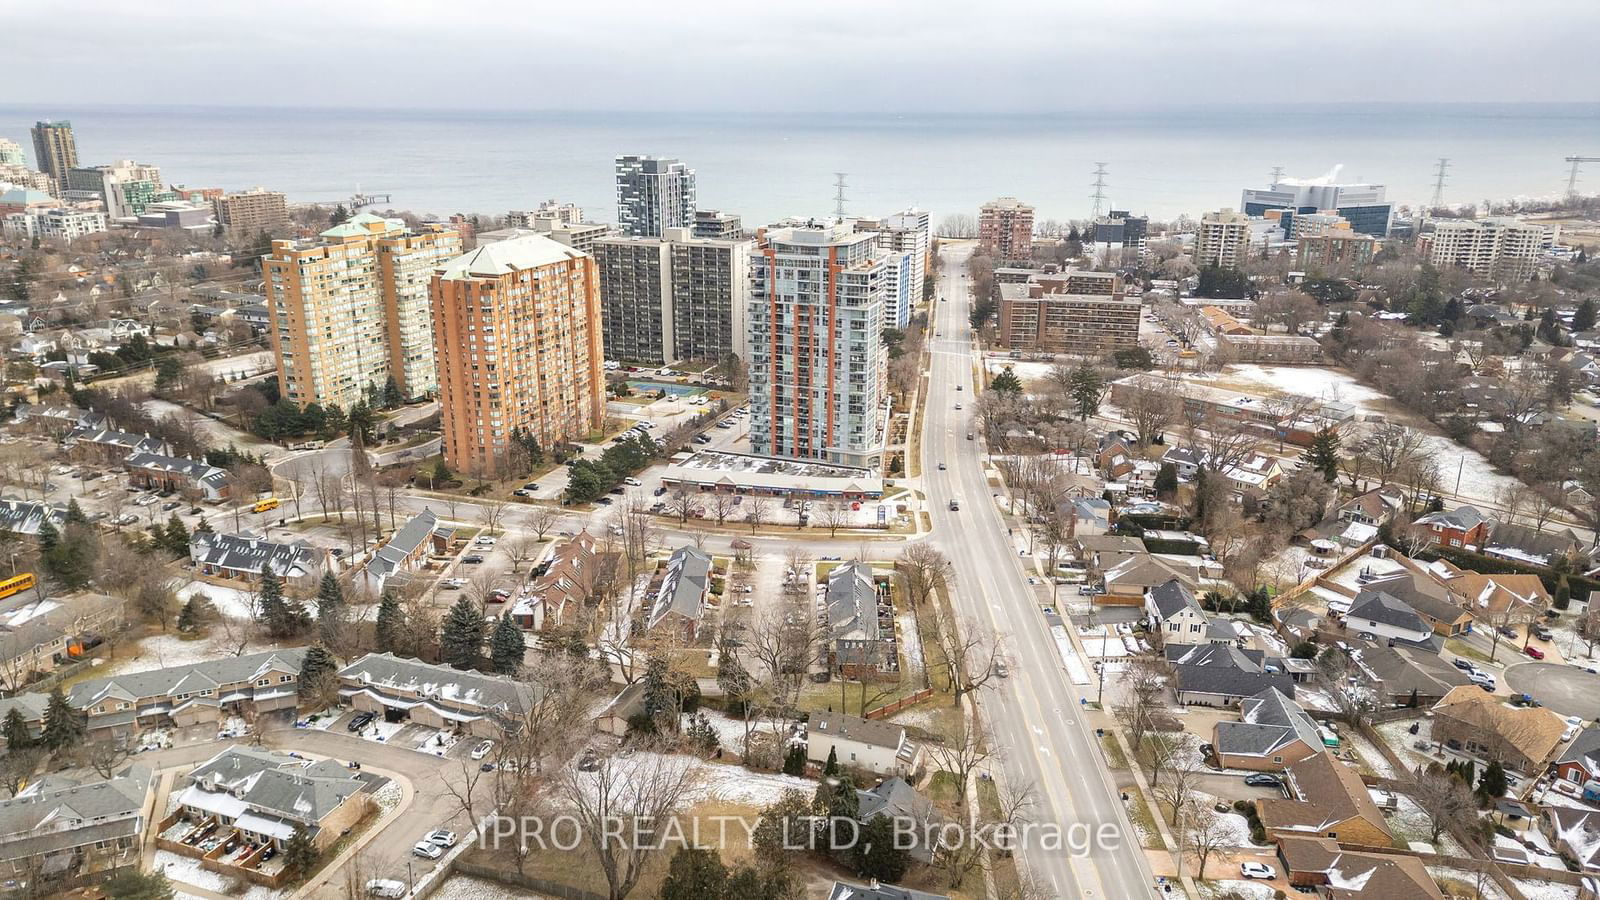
(243, 557)
(409, 690)
(261, 797)
(58, 832)
(40, 634)
(183, 475)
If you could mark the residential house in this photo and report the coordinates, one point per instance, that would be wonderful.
(860, 623)
(108, 447)
(1539, 547)
(38, 634)
(614, 718)
(902, 804)
(59, 833)
(1386, 617)
(1523, 739)
(55, 421)
(1378, 507)
(676, 599)
(873, 745)
(1272, 732)
(1103, 552)
(243, 557)
(406, 551)
(1127, 581)
(1256, 472)
(1463, 527)
(1488, 597)
(158, 472)
(1173, 612)
(121, 706)
(1321, 866)
(1575, 832)
(1326, 799)
(844, 890)
(1402, 675)
(569, 579)
(409, 690)
(1186, 460)
(262, 796)
(1425, 596)
(1223, 675)
(25, 516)
(1579, 762)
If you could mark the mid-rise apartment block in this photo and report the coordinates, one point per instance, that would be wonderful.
(55, 149)
(555, 210)
(1222, 240)
(817, 364)
(350, 309)
(1118, 238)
(907, 238)
(1005, 229)
(248, 213)
(654, 194)
(1340, 249)
(1362, 204)
(579, 236)
(517, 348)
(1068, 312)
(1501, 247)
(11, 153)
(674, 298)
(125, 187)
(63, 225)
(717, 225)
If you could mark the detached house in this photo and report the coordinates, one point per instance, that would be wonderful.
(1321, 866)
(1387, 618)
(1463, 526)
(1327, 799)
(1523, 739)
(1175, 614)
(871, 744)
(1579, 763)
(1272, 732)
(1223, 675)
(677, 596)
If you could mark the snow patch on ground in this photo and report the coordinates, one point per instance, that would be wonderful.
(1069, 656)
(388, 796)
(1233, 887)
(1490, 890)
(231, 603)
(1102, 642)
(730, 731)
(1545, 890)
(182, 869)
(465, 887)
(1372, 756)
(1314, 699)
(910, 643)
(160, 651)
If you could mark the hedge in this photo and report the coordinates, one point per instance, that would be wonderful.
(1580, 585)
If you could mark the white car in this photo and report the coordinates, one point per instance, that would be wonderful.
(1481, 679)
(441, 838)
(146, 500)
(484, 541)
(386, 887)
(482, 750)
(1571, 732)
(1257, 870)
(426, 850)
(632, 482)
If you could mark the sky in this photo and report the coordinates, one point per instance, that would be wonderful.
(718, 55)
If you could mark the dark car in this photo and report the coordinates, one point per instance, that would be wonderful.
(1541, 632)
(1507, 630)
(1463, 664)
(531, 486)
(618, 490)
(361, 721)
(1262, 779)
(170, 505)
(604, 501)
(473, 559)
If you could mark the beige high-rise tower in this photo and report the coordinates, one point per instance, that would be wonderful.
(349, 310)
(516, 328)
(55, 150)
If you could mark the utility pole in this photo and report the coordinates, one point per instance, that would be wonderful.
(1572, 177)
(838, 195)
(1099, 195)
(1438, 182)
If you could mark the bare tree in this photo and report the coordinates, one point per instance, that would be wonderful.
(681, 503)
(756, 512)
(963, 753)
(835, 515)
(541, 519)
(642, 790)
(491, 511)
(722, 505)
(1183, 772)
(1390, 447)
(1206, 833)
(1446, 800)
(1543, 504)
(973, 656)
(924, 570)
(521, 548)
(1151, 405)
(1144, 684)
(463, 788)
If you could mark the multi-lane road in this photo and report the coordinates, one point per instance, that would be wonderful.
(1035, 713)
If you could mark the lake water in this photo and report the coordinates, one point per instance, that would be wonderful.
(764, 167)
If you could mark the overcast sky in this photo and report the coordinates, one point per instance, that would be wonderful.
(903, 55)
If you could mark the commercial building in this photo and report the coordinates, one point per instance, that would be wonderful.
(653, 195)
(55, 149)
(251, 212)
(717, 225)
(1334, 251)
(1222, 240)
(818, 368)
(64, 225)
(672, 298)
(1502, 248)
(350, 310)
(517, 349)
(739, 473)
(1362, 204)
(1005, 229)
(178, 215)
(1068, 312)
(125, 187)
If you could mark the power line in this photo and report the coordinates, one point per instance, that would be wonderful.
(1099, 195)
(1438, 182)
(838, 196)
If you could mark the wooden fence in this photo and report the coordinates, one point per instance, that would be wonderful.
(889, 709)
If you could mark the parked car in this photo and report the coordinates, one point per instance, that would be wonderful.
(361, 721)
(439, 837)
(472, 559)
(1507, 631)
(1262, 779)
(1462, 663)
(386, 887)
(1533, 652)
(1541, 632)
(427, 850)
(485, 541)
(171, 505)
(482, 750)
(632, 482)
(1257, 870)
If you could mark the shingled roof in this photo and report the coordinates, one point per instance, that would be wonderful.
(1269, 722)
(1325, 793)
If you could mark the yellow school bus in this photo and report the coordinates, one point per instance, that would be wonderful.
(16, 584)
(264, 505)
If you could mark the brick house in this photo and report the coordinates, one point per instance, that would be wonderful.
(1522, 739)
(1462, 527)
(1326, 799)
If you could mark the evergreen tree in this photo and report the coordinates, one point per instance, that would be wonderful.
(75, 514)
(832, 767)
(1584, 318)
(461, 635)
(49, 537)
(391, 393)
(389, 623)
(794, 762)
(1323, 455)
(506, 647)
(1563, 597)
(695, 873)
(72, 560)
(176, 536)
(283, 617)
(189, 615)
(340, 215)
(316, 668)
(63, 725)
(331, 609)
(660, 700)
(1086, 388)
(836, 799)
(1006, 384)
(299, 855)
(16, 732)
(1166, 480)
(876, 853)
(1493, 783)
(132, 884)
(702, 736)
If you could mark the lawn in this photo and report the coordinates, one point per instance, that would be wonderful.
(1144, 822)
(1115, 758)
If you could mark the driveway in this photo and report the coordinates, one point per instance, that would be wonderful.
(1568, 690)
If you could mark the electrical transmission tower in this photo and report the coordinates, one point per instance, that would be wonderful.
(838, 193)
(1099, 195)
(1438, 182)
(1277, 173)
(1577, 163)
